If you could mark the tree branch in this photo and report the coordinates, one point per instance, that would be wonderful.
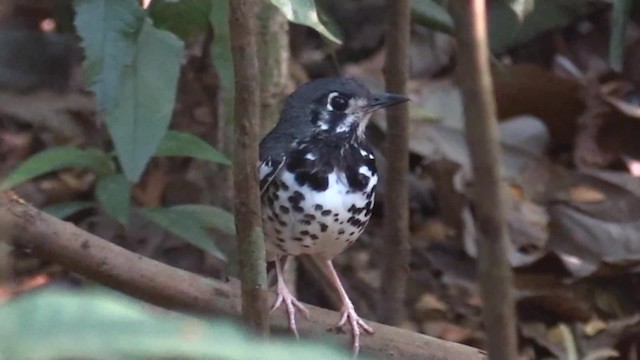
(165, 286)
(481, 129)
(391, 309)
(251, 249)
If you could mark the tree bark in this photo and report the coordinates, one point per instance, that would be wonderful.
(162, 285)
(251, 249)
(481, 129)
(395, 268)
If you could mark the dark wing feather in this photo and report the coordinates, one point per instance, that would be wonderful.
(268, 169)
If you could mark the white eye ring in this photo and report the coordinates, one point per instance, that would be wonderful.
(337, 102)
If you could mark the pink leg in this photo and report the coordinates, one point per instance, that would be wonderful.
(348, 312)
(290, 302)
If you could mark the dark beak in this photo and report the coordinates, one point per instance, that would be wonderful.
(384, 100)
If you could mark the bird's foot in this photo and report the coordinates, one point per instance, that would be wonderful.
(358, 326)
(291, 304)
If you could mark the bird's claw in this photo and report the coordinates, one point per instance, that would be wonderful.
(358, 326)
(291, 304)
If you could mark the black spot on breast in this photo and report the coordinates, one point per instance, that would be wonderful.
(325, 212)
(306, 245)
(352, 233)
(341, 232)
(314, 237)
(323, 227)
(284, 186)
(284, 209)
(281, 239)
(282, 223)
(275, 186)
(281, 248)
(356, 180)
(304, 233)
(315, 180)
(298, 208)
(298, 195)
(298, 238)
(304, 222)
(318, 207)
(271, 218)
(336, 219)
(278, 231)
(275, 196)
(309, 217)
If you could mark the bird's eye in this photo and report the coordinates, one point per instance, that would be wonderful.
(338, 103)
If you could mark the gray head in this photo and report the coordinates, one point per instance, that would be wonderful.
(337, 106)
(334, 105)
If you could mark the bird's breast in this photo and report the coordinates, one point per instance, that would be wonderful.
(319, 212)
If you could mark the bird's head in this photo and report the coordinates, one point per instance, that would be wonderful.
(338, 105)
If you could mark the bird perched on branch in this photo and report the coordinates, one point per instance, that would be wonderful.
(318, 180)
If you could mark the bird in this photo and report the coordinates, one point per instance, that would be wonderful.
(318, 181)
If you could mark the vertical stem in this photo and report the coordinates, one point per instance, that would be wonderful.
(242, 26)
(494, 270)
(395, 268)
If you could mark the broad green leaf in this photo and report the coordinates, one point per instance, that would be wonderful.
(221, 55)
(430, 14)
(210, 217)
(621, 12)
(108, 29)
(506, 30)
(176, 143)
(184, 18)
(304, 12)
(141, 117)
(66, 209)
(113, 193)
(182, 224)
(57, 158)
(103, 324)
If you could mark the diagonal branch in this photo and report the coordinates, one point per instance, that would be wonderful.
(172, 288)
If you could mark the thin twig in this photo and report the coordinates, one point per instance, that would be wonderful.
(395, 267)
(251, 250)
(481, 129)
(108, 264)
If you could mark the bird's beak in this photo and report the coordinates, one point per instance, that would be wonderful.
(384, 100)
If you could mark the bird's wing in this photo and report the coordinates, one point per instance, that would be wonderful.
(268, 169)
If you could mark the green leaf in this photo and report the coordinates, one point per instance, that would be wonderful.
(103, 324)
(113, 193)
(185, 226)
(108, 29)
(621, 12)
(141, 118)
(176, 143)
(506, 30)
(184, 18)
(210, 217)
(430, 14)
(66, 209)
(56, 158)
(304, 12)
(222, 58)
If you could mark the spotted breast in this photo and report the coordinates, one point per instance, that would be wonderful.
(320, 200)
